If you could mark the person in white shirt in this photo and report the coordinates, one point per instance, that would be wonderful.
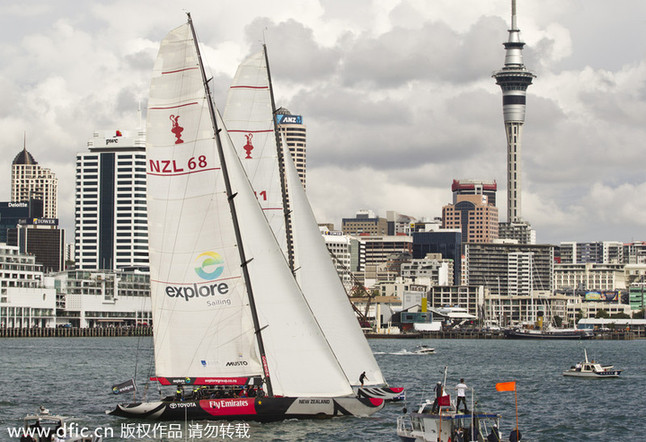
(462, 396)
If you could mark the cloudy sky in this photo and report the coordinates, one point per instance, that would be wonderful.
(397, 96)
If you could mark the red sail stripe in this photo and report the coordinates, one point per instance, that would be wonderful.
(251, 131)
(174, 107)
(183, 173)
(179, 70)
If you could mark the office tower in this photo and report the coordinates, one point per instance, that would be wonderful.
(31, 181)
(513, 79)
(293, 130)
(111, 219)
(472, 212)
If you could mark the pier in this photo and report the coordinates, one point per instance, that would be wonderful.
(75, 332)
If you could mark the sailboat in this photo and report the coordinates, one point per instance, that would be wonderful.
(229, 320)
(249, 115)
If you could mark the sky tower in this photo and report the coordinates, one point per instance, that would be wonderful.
(513, 79)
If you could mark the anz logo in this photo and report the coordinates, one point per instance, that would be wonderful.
(289, 119)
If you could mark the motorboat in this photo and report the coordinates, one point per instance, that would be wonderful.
(592, 369)
(424, 350)
(441, 421)
(446, 424)
(43, 426)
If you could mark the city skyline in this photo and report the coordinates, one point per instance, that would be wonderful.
(398, 100)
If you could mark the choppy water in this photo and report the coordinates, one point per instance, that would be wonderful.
(73, 377)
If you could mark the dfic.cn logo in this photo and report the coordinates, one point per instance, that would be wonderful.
(210, 266)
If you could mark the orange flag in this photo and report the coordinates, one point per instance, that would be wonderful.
(506, 386)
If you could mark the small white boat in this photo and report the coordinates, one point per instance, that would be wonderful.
(424, 350)
(44, 426)
(592, 369)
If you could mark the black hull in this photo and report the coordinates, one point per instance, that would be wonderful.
(571, 335)
(265, 409)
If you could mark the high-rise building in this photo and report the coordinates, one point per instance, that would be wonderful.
(293, 130)
(513, 79)
(31, 181)
(111, 221)
(472, 211)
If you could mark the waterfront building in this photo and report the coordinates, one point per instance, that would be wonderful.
(111, 221)
(25, 302)
(31, 181)
(292, 129)
(513, 79)
(102, 299)
(586, 309)
(539, 308)
(589, 277)
(469, 297)
(364, 223)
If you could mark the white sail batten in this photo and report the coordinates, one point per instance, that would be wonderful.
(248, 116)
(320, 283)
(201, 319)
(203, 326)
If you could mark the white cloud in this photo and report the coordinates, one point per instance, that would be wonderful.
(397, 96)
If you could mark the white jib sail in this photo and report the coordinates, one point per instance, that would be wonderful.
(248, 109)
(320, 283)
(300, 360)
(201, 314)
(248, 116)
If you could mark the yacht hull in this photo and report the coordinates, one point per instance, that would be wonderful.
(264, 409)
(391, 394)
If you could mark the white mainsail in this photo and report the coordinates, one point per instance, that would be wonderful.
(248, 108)
(203, 325)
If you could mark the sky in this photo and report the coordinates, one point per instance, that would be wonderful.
(397, 97)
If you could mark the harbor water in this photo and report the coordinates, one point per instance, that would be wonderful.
(73, 377)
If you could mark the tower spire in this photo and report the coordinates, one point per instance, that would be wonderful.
(513, 79)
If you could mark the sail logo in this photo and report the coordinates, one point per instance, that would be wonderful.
(210, 266)
(237, 364)
(248, 147)
(176, 129)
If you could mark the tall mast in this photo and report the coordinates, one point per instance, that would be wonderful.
(236, 227)
(281, 170)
